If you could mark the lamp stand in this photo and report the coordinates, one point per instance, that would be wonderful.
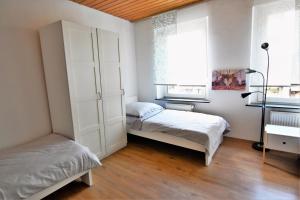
(259, 146)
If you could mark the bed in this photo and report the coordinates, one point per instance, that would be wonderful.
(36, 169)
(192, 130)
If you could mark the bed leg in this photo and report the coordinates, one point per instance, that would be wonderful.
(208, 159)
(87, 178)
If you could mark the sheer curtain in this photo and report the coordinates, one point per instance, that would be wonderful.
(276, 22)
(164, 26)
(180, 50)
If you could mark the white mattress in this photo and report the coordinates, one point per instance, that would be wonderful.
(197, 127)
(30, 168)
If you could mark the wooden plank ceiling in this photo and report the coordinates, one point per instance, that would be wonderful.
(134, 10)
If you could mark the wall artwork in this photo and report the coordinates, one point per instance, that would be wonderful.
(229, 79)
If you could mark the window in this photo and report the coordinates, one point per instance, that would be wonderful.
(180, 56)
(282, 93)
(277, 22)
(186, 91)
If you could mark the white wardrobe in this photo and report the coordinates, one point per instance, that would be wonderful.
(84, 85)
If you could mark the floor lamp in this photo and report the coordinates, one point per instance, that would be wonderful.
(259, 145)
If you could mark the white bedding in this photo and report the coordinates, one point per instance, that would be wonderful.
(30, 168)
(197, 127)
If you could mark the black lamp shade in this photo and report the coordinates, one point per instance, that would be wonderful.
(265, 46)
(244, 95)
(250, 71)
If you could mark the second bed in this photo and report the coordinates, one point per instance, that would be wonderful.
(192, 130)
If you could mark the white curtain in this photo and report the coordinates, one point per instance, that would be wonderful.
(180, 50)
(164, 25)
(276, 22)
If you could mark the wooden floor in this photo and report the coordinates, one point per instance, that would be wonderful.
(151, 170)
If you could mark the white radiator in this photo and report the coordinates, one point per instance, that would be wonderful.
(184, 107)
(285, 118)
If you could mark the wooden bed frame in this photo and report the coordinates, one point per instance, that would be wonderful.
(162, 137)
(85, 177)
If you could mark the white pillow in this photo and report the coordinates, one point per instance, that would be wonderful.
(142, 109)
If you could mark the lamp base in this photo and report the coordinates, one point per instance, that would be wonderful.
(259, 146)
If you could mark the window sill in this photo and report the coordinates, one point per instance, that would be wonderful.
(190, 100)
(275, 105)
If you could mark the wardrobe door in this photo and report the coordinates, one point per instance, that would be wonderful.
(112, 92)
(84, 85)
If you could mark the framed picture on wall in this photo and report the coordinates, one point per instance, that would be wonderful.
(229, 79)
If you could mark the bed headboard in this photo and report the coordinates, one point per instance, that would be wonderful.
(131, 99)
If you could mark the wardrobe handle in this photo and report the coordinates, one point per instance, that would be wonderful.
(99, 96)
(123, 91)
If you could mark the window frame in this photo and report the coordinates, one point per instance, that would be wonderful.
(270, 99)
(167, 94)
(262, 35)
(204, 85)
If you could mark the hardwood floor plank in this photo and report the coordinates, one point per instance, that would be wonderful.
(148, 169)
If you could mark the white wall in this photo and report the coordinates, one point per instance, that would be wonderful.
(229, 45)
(24, 113)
